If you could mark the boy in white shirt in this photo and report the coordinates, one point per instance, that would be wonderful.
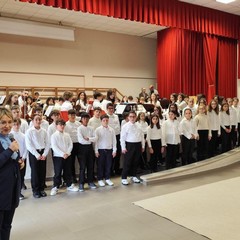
(105, 150)
(16, 112)
(62, 146)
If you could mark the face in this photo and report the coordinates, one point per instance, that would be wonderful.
(72, 117)
(188, 114)
(153, 96)
(142, 117)
(213, 105)
(172, 99)
(16, 126)
(132, 117)
(55, 117)
(16, 113)
(6, 124)
(190, 102)
(154, 120)
(39, 113)
(14, 98)
(230, 102)
(85, 121)
(225, 107)
(82, 96)
(179, 98)
(105, 122)
(235, 102)
(110, 110)
(171, 116)
(25, 93)
(60, 127)
(37, 121)
(201, 109)
(97, 113)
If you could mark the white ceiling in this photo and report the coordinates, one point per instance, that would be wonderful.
(40, 13)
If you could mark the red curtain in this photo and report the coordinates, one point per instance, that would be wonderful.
(180, 62)
(194, 63)
(210, 45)
(172, 13)
(238, 60)
(227, 67)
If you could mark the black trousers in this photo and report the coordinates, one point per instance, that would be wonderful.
(131, 159)
(23, 172)
(212, 148)
(226, 142)
(116, 160)
(172, 153)
(156, 155)
(104, 163)
(6, 217)
(60, 164)
(86, 159)
(73, 156)
(38, 172)
(238, 140)
(202, 145)
(233, 137)
(188, 146)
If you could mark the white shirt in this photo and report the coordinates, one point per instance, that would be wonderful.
(170, 132)
(52, 129)
(105, 139)
(66, 106)
(214, 121)
(233, 117)
(224, 119)
(85, 132)
(44, 124)
(20, 138)
(37, 139)
(94, 122)
(188, 128)
(114, 123)
(71, 129)
(194, 110)
(82, 104)
(131, 133)
(238, 112)
(153, 134)
(202, 123)
(61, 144)
(24, 126)
(143, 125)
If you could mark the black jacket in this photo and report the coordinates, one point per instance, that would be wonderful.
(10, 181)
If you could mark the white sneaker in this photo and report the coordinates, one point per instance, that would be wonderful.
(124, 181)
(109, 182)
(54, 191)
(101, 183)
(73, 188)
(135, 180)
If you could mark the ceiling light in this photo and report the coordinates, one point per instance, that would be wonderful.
(35, 29)
(225, 1)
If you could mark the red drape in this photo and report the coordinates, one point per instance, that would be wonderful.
(180, 62)
(210, 45)
(227, 67)
(238, 60)
(170, 13)
(194, 63)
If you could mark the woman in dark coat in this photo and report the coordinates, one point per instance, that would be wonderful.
(9, 174)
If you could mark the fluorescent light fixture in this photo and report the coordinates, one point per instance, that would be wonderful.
(35, 29)
(225, 1)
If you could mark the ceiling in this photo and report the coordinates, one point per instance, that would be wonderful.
(40, 13)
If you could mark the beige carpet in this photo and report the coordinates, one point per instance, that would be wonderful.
(212, 210)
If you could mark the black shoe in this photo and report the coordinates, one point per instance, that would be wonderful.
(21, 197)
(81, 188)
(36, 195)
(43, 194)
(24, 187)
(92, 185)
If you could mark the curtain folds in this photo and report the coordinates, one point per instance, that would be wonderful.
(170, 13)
(194, 63)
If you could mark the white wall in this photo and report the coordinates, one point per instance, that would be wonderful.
(95, 59)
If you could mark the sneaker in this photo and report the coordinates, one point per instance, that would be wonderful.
(125, 182)
(53, 191)
(101, 183)
(72, 188)
(21, 197)
(135, 180)
(92, 185)
(81, 188)
(109, 182)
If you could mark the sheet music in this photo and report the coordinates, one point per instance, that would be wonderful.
(2, 98)
(48, 111)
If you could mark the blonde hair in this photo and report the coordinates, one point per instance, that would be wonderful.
(5, 112)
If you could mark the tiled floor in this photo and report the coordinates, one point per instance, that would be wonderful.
(106, 213)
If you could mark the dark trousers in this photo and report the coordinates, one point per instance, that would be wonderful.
(104, 163)
(22, 173)
(73, 156)
(212, 148)
(116, 160)
(226, 143)
(238, 134)
(188, 146)
(156, 155)
(233, 137)
(172, 153)
(85, 158)
(131, 159)
(38, 172)
(6, 217)
(202, 145)
(60, 164)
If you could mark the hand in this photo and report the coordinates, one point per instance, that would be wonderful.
(21, 164)
(209, 138)
(65, 156)
(14, 146)
(97, 154)
(124, 151)
(151, 150)
(163, 149)
(43, 158)
(114, 155)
